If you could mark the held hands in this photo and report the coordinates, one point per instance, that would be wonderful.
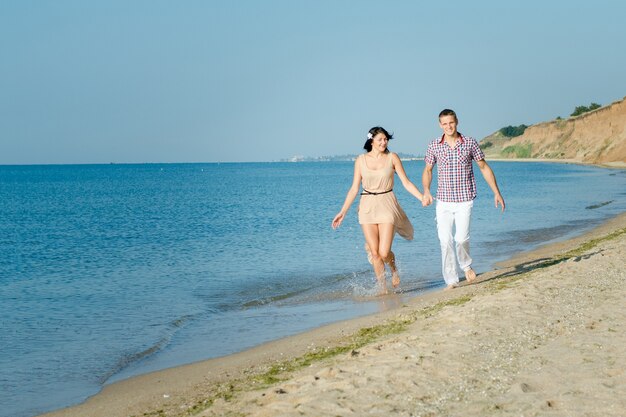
(338, 219)
(427, 199)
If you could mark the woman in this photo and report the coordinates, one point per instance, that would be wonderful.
(380, 215)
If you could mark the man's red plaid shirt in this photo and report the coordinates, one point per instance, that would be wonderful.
(455, 176)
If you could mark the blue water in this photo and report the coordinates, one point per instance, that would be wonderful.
(108, 271)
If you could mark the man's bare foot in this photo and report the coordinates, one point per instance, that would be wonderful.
(395, 280)
(450, 287)
(470, 275)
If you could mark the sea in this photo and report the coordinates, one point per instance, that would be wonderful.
(111, 271)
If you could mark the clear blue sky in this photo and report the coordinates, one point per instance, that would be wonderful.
(204, 81)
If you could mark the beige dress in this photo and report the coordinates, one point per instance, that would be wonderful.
(382, 208)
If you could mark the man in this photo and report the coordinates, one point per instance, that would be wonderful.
(456, 191)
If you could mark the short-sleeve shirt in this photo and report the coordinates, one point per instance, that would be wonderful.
(455, 175)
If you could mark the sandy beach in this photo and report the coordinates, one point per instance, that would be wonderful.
(612, 164)
(543, 334)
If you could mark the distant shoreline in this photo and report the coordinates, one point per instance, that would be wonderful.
(345, 158)
(617, 164)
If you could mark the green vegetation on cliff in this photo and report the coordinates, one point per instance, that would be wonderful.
(512, 131)
(517, 151)
(584, 109)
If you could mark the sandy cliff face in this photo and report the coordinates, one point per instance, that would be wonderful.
(595, 137)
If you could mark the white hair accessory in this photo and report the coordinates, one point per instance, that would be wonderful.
(370, 136)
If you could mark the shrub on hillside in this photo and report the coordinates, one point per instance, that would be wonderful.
(512, 131)
(584, 109)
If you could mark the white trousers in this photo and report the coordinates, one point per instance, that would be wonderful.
(454, 216)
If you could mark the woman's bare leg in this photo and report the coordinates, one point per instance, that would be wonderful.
(386, 233)
(371, 233)
(395, 276)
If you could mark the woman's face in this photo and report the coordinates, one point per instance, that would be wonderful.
(379, 142)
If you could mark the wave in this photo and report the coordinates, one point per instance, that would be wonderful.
(595, 206)
(355, 286)
(132, 358)
(529, 236)
(331, 287)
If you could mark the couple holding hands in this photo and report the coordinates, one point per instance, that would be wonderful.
(381, 216)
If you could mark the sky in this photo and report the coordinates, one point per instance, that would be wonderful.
(143, 81)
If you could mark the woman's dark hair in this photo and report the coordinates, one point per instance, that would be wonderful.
(373, 132)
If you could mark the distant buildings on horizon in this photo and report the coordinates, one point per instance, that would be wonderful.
(352, 157)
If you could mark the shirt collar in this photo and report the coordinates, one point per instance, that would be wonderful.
(443, 137)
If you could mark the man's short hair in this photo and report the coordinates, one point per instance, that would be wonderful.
(448, 112)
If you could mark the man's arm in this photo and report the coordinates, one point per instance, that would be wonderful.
(490, 177)
(427, 179)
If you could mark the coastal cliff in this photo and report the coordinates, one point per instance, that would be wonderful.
(595, 137)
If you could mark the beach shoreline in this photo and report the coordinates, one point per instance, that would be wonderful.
(609, 165)
(221, 385)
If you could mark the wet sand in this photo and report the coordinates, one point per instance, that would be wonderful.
(543, 334)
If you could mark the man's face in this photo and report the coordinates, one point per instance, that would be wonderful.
(448, 125)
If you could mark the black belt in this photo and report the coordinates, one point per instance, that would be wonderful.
(365, 192)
